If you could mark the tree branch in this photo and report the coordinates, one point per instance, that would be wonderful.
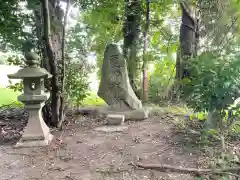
(168, 168)
(184, 9)
(47, 33)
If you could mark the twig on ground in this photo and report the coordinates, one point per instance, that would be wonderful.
(104, 155)
(112, 171)
(168, 168)
(23, 154)
(69, 177)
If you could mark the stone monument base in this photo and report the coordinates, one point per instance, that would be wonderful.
(104, 111)
(130, 115)
(112, 128)
(35, 143)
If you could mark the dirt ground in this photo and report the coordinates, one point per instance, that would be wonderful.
(80, 152)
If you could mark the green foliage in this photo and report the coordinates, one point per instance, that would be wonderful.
(214, 82)
(77, 84)
(17, 87)
(103, 23)
(163, 74)
(14, 22)
(16, 60)
(93, 99)
(213, 88)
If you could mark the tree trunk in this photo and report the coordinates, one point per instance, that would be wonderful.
(188, 40)
(62, 103)
(131, 31)
(53, 44)
(144, 67)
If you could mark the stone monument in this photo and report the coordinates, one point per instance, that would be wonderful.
(115, 88)
(36, 133)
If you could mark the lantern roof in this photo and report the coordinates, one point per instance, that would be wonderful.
(32, 70)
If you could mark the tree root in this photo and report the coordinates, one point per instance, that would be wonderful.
(168, 168)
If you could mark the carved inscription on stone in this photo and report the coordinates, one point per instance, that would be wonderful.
(115, 88)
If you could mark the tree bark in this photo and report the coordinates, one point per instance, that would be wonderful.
(55, 93)
(61, 110)
(145, 45)
(131, 29)
(188, 40)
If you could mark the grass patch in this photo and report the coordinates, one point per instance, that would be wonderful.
(8, 96)
(93, 100)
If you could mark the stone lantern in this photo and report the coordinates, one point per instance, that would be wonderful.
(36, 133)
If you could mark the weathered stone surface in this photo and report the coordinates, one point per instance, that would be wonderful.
(115, 88)
(135, 115)
(104, 111)
(112, 128)
(115, 119)
(132, 115)
(36, 132)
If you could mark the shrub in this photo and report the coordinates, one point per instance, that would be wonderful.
(16, 60)
(17, 87)
(213, 87)
(161, 80)
(77, 84)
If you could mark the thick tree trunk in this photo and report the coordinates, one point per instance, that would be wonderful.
(53, 44)
(188, 42)
(131, 39)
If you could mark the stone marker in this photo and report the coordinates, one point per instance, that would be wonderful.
(36, 132)
(115, 88)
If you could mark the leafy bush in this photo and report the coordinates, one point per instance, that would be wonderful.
(161, 79)
(17, 87)
(214, 85)
(77, 85)
(16, 60)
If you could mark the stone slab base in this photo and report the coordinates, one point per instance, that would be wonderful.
(135, 115)
(35, 143)
(104, 111)
(115, 119)
(130, 115)
(112, 128)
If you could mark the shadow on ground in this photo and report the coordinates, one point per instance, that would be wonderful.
(81, 153)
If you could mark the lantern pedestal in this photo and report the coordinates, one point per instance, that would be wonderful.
(36, 132)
